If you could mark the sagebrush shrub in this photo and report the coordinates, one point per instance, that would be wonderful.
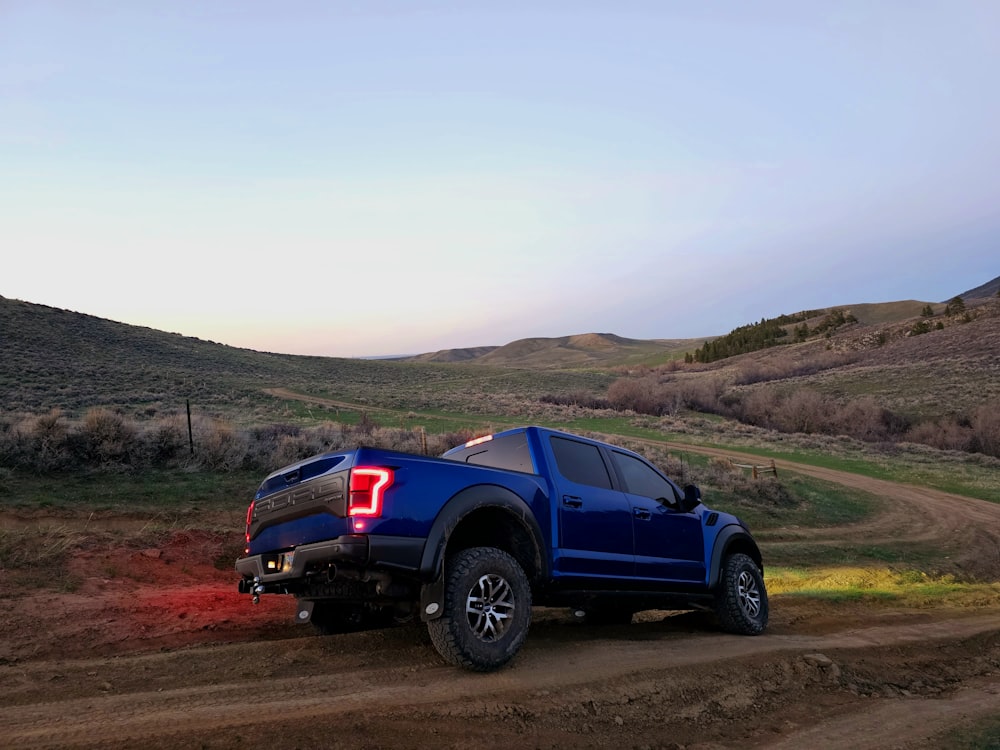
(164, 440)
(946, 433)
(986, 428)
(104, 438)
(219, 446)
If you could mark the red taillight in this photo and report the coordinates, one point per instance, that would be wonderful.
(250, 519)
(367, 488)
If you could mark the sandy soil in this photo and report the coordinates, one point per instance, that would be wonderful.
(157, 650)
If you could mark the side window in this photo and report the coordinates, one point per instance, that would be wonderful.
(641, 479)
(580, 462)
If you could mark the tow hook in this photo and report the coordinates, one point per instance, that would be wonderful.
(257, 590)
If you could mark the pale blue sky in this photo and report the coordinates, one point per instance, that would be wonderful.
(361, 178)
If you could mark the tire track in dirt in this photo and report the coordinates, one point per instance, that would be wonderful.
(550, 664)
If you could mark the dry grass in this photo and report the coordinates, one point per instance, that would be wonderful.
(912, 588)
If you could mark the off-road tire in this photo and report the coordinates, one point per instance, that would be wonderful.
(741, 600)
(487, 610)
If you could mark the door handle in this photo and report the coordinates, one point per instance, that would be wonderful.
(572, 502)
(642, 514)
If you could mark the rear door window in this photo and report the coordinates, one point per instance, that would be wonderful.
(580, 462)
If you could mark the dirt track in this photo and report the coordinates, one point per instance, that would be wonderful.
(172, 657)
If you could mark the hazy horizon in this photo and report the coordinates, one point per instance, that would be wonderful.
(378, 179)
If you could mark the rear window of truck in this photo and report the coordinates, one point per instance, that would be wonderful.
(508, 452)
(580, 462)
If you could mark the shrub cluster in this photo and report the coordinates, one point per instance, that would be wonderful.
(105, 440)
(662, 396)
(780, 368)
(804, 410)
(810, 412)
(576, 398)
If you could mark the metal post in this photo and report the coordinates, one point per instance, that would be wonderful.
(190, 433)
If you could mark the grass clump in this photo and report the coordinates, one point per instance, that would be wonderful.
(37, 558)
(912, 588)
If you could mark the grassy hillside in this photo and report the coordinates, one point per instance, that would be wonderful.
(452, 355)
(59, 359)
(934, 380)
(883, 313)
(607, 350)
(586, 350)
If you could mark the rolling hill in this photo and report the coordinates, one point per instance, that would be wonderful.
(605, 350)
(53, 358)
(450, 355)
(580, 350)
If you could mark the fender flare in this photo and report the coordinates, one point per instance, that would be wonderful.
(461, 505)
(448, 519)
(727, 537)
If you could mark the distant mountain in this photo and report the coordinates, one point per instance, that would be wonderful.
(989, 289)
(580, 350)
(451, 355)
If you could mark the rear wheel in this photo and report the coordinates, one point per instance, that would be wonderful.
(741, 602)
(487, 610)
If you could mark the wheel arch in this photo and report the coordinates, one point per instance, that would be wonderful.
(486, 516)
(730, 540)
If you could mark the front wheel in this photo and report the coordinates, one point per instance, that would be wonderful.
(487, 610)
(741, 602)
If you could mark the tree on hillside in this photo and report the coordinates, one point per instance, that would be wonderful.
(741, 340)
(955, 306)
(752, 337)
(833, 321)
(927, 312)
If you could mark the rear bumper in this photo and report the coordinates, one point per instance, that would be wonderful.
(389, 553)
(273, 567)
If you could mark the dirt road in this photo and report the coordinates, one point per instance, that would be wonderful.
(847, 678)
(155, 649)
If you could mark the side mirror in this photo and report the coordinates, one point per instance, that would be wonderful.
(692, 497)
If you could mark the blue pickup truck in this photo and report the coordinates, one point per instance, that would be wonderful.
(471, 540)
